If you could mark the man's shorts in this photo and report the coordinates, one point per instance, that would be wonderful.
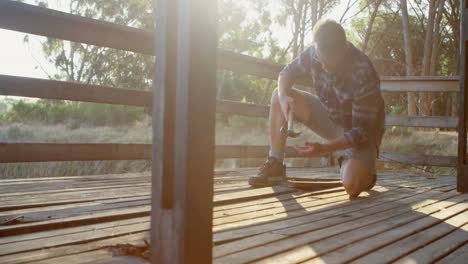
(321, 124)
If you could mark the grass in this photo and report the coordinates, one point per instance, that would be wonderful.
(229, 131)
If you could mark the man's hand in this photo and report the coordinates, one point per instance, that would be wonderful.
(311, 149)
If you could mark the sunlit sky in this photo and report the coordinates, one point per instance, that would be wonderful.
(26, 59)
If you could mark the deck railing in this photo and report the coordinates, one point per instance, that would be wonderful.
(50, 23)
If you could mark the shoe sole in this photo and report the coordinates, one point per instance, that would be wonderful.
(267, 184)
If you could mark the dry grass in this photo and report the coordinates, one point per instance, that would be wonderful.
(236, 130)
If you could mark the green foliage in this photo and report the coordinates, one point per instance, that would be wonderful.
(54, 112)
(83, 63)
(15, 132)
(386, 42)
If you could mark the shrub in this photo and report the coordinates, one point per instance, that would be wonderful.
(73, 113)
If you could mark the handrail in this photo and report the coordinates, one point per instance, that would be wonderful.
(50, 89)
(44, 152)
(61, 25)
(46, 22)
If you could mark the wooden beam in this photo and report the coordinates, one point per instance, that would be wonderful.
(50, 89)
(55, 24)
(184, 131)
(462, 173)
(243, 109)
(248, 151)
(239, 63)
(419, 159)
(428, 84)
(422, 121)
(44, 152)
(41, 152)
(60, 90)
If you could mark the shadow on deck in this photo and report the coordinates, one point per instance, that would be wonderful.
(81, 219)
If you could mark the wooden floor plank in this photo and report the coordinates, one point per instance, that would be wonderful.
(239, 230)
(42, 254)
(439, 248)
(72, 238)
(368, 245)
(73, 219)
(318, 230)
(45, 209)
(87, 196)
(273, 199)
(459, 256)
(251, 194)
(404, 246)
(90, 257)
(71, 230)
(285, 200)
(48, 215)
(348, 234)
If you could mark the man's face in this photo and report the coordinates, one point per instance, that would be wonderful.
(331, 62)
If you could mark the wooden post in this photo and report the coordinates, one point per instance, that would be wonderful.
(183, 131)
(462, 175)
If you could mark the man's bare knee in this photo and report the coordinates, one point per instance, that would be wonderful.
(353, 189)
(354, 173)
(275, 96)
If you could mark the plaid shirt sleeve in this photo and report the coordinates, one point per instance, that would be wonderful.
(365, 105)
(299, 66)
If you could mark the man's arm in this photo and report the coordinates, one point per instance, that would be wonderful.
(299, 66)
(317, 149)
(336, 144)
(285, 84)
(287, 77)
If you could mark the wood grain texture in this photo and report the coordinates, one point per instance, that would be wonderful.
(278, 224)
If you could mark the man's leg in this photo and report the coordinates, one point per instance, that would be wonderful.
(277, 120)
(273, 172)
(357, 176)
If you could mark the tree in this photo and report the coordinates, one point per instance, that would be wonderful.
(412, 110)
(370, 24)
(451, 42)
(77, 62)
(426, 98)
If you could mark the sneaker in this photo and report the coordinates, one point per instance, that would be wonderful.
(272, 173)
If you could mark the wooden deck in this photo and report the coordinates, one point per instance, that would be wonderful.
(409, 218)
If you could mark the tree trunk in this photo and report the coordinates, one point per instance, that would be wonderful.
(321, 9)
(425, 98)
(297, 14)
(303, 25)
(313, 12)
(452, 14)
(436, 39)
(408, 55)
(436, 49)
(371, 24)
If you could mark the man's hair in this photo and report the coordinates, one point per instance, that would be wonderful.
(329, 36)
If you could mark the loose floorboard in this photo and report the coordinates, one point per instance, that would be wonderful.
(405, 218)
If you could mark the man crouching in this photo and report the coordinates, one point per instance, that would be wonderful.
(348, 110)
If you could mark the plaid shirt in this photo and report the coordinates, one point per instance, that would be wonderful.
(352, 97)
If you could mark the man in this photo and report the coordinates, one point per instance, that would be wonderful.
(348, 110)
